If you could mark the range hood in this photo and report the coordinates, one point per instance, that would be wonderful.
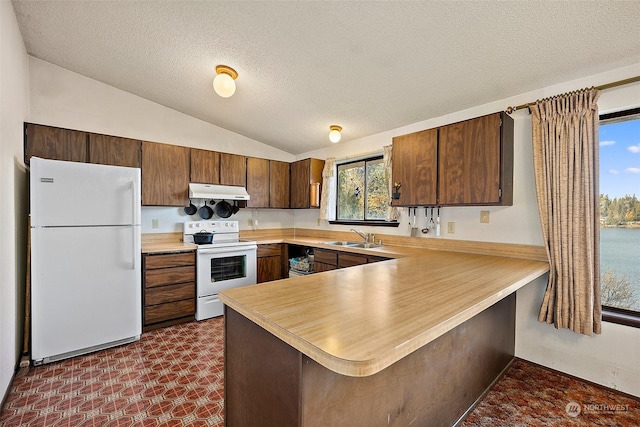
(217, 192)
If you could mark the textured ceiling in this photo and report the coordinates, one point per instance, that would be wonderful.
(304, 65)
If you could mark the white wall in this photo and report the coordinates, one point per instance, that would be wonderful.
(610, 359)
(13, 198)
(59, 97)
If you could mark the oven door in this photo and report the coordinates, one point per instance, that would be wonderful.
(225, 268)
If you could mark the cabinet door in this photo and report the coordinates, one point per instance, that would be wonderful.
(269, 268)
(55, 143)
(319, 267)
(300, 184)
(165, 174)
(205, 166)
(414, 163)
(346, 259)
(233, 169)
(303, 173)
(278, 184)
(111, 150)
(258, 182)
(469, 161)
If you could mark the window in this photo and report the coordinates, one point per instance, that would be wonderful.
(620, 216)
(362, 192)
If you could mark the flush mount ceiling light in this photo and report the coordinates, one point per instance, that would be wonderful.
(224, 83)
(334, 133)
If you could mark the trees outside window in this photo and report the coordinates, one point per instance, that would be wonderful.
(363, 192)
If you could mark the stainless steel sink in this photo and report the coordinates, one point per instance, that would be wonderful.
(353, 244)
(342, 243)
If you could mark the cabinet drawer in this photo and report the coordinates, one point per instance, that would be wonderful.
(325, 257)
(269, 250)
(170, 293)
(319, 267)
(169, 260)
(169, 276)
(349, 260)
(168, 311)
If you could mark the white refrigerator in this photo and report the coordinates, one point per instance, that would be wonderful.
(85, 258)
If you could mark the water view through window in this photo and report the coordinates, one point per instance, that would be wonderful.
(620, 211)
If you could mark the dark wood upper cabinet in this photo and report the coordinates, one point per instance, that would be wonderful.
(304, 173)
(233, 169)
(111, 150)
(165, 174)
(258, 182)
(278, 184)
(54, 143)
(415, 166)
(475, 161)
(205, 166)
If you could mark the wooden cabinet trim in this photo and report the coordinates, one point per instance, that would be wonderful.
(169, 260)
(170, 293)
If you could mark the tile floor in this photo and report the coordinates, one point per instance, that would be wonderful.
(174, 377)
(171, 377)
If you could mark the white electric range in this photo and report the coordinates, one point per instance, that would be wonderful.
(228, 262)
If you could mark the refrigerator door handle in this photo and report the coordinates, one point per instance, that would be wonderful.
(133, 224)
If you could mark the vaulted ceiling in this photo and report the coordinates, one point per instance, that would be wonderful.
(305, 65)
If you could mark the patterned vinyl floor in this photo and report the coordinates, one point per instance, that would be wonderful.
(174, 377)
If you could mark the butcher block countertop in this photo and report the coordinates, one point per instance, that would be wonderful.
(359, 320)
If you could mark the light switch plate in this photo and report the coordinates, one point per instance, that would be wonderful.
(155, 223)
(451, 227)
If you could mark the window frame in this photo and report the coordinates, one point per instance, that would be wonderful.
(610, 314)
(365, 222)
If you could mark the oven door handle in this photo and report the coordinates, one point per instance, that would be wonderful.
(228, 249)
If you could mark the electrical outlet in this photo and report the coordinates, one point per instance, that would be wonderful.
(155, 223)
(484, 217)
(250, 221)
(318, 223)
(451, 227)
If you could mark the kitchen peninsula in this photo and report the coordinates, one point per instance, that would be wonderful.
(408, 341)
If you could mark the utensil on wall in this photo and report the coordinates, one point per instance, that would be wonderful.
(205, 211)
(414, 228)
(438, 224)
(191, 209)
(425, 230)
(223, 209)
(235, 209)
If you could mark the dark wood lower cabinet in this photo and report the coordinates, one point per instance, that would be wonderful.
(271, 262)
(269, 383)
(169, 289)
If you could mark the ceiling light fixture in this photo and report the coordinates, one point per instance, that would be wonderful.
(224, 83)
(334, 133)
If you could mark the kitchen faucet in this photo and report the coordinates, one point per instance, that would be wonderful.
(368, 237)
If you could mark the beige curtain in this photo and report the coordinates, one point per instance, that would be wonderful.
(328, 197)
(565, 154)
(393, 213)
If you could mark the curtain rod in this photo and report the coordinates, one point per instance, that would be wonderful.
(510, 110)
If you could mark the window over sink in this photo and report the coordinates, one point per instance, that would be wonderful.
(362, 193)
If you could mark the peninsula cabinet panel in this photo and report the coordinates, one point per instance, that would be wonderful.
(115, 151)
(258, 182)
(304, 173)
(205, 166)
(415, 166)
(165, 174)
(278, 184)
(476, 161)
(233, 169)
(54, 143)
